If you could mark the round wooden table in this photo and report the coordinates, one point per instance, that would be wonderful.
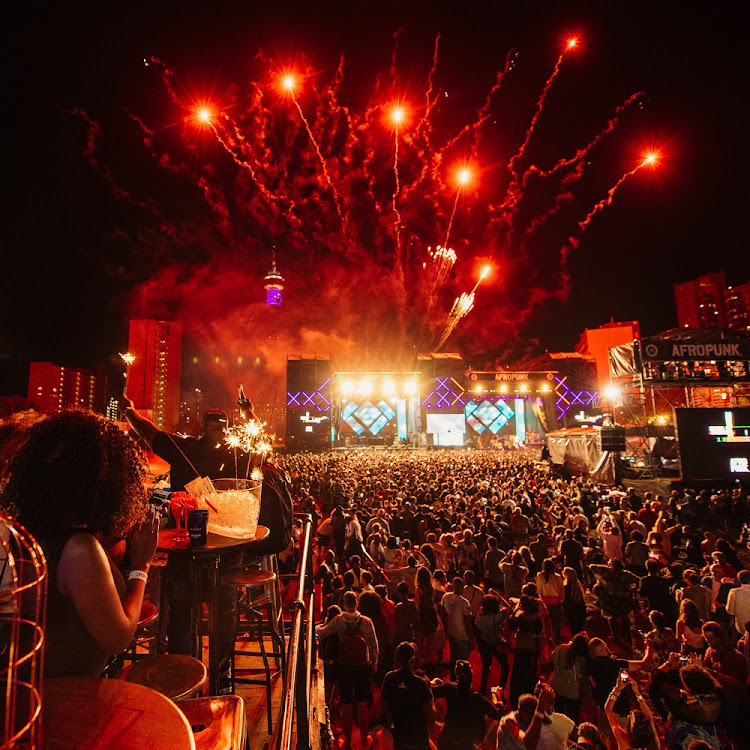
(205, 561)
(86, 713)
(177, 676)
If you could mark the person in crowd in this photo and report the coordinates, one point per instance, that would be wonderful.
(465, 718)
(588, 738)
(611, 536)
(493, 577)
(514, 574)
(604, 670)
(357, 662)
(569, 670)
(552, 592)
(329, 648)
(738, 603)
(571, 551)
(615, 589)
(76, 484)
(472, 593)
(640, 732)
(427, 619)
(656, 590)
(694, 708)
(728, 666)
(406, 615)
(574, 603)
(489, 631)
(528, 626)
(689, 629)
(698, 594)
(521, 729)
(661, 639)
(408, 707)
(458, 623)
(636, 554)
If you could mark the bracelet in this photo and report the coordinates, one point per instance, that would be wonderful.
(138, 575)
(539, 714)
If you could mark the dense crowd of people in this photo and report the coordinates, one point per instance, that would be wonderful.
(475, 599)
(466, 598)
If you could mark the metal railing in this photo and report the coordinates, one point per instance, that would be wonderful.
(296, 698)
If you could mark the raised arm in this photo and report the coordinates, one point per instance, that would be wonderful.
(142, 426)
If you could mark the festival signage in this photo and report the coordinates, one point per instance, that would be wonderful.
(694, 350)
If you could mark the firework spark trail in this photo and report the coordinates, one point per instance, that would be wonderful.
(320, 156)
(606, 201)
(166, 74)
(462, 306)
(429, 102)
(585, 150)
(453, 214)
(396, 191)
(535, 118)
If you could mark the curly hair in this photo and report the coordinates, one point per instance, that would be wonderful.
(75, 470)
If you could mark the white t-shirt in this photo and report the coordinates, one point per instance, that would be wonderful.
(457, 608)
(554, 736)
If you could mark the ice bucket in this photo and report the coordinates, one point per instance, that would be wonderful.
(238, 504)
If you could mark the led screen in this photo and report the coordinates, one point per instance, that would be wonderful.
(714, 443)
(448, 429)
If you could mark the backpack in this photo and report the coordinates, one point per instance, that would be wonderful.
(428, 619)
(353, 651)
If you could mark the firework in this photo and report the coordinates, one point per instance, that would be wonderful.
(393, 200)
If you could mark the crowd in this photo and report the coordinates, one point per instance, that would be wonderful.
(467, 598)
(474, 599)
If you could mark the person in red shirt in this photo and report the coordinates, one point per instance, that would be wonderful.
(729, 668)
(647, 516)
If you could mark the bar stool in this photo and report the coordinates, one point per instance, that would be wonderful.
(144, 636)
(176, 676)
(218, 723)
(250, 620)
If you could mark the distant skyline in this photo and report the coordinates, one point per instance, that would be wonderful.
(98, 232)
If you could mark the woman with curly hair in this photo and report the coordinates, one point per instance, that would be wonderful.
(77, 485)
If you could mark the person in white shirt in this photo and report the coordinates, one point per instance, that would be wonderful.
(458, 626)
(738, 602)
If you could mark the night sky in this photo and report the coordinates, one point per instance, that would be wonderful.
(95, 237)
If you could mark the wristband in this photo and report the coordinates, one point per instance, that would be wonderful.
(540, 714)
(138, 575)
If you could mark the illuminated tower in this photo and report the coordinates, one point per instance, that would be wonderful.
(274, 284)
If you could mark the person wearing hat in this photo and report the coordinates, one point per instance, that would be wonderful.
(407, 702)
(209, 456)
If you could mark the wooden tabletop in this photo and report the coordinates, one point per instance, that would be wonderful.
(84, 713)
(172, 540)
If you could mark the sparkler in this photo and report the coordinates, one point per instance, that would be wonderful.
(391, 210)
(128, 359)
(250, 438)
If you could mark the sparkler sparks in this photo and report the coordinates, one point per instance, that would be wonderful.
(127, 358)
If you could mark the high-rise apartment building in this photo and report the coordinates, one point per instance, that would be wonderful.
(738, 307)
(153, 378)
(53, 388)
(700, 303)
(708, 302)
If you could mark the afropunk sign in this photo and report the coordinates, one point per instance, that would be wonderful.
(685, 349)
